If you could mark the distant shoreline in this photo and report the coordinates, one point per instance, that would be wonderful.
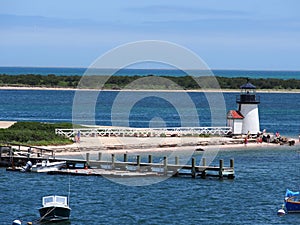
(296, 91)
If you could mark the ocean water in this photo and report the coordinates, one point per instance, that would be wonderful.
(253, 197)
(144, 72)
(277, 111)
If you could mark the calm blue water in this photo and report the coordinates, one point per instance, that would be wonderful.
(262, 175)
(277, 111)
(144, 72)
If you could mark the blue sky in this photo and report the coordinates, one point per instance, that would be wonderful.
(231, 34)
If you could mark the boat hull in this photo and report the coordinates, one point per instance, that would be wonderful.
(292, 207)
(54, 213)
(47, 167)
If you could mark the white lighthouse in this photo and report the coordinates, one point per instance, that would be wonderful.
(247, 119)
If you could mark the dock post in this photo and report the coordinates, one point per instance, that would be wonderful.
(87, 159)
(113, 158)
(231, 175)
(232, 163)
(165, 165)
(203, 161)
(125, 158)
(193, 170)
(221, 164)
(175, 173)
(149, 158)
(99, 159)
(176, 160)
(203, 172)
(138, 162)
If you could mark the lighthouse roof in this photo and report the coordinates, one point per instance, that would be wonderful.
(248, 85)
(233, 114)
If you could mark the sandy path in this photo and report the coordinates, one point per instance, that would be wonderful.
(6, 124)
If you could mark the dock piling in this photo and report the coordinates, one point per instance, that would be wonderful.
(87, 159)
(165, 165)
(231, 163)
(203, 161)
(176, 160)
(113, 159)
(99, 156)
(193, 169)
(221, 164)
(138, 162)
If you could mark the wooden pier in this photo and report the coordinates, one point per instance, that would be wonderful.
(17, 155)
(163, 168)
(140, 169)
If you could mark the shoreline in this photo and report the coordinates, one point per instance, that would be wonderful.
(283, 91)
(186, 149)
(109, 145)
(113, 145)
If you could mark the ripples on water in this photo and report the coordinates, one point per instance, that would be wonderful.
(262, 175)
(252, 198)
(278, 112)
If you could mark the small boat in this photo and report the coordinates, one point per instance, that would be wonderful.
(55, 208)
(292, 201)
(46, 166)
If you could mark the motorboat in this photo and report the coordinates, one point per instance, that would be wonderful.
(46, 166)
(55, 208)
(292, 201)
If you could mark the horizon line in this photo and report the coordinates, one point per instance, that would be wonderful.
(70, 67)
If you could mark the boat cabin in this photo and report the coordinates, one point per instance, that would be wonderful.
(55, 200)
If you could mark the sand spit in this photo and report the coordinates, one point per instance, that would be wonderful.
(120, 145)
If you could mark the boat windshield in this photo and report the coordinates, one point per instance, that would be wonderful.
(47, 200)
(62, 200)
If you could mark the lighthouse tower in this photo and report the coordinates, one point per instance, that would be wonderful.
(248, 106)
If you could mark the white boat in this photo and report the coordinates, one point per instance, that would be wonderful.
(55, 208)
(46, 166)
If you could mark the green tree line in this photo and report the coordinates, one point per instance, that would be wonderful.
(143, 82)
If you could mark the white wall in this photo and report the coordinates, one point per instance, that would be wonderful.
(238, 125)
(251, 118)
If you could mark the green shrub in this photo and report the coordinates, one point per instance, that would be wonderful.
(35, 133)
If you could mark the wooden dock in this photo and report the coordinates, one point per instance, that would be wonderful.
(17, 155)
(142, 169)
(13, 156)
(164, 168)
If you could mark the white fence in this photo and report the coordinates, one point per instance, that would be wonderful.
(145, 132)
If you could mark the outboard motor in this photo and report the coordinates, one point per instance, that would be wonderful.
(27, 167)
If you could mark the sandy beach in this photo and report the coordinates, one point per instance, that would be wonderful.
(133, 145)
(120, 145)
(6, 124)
